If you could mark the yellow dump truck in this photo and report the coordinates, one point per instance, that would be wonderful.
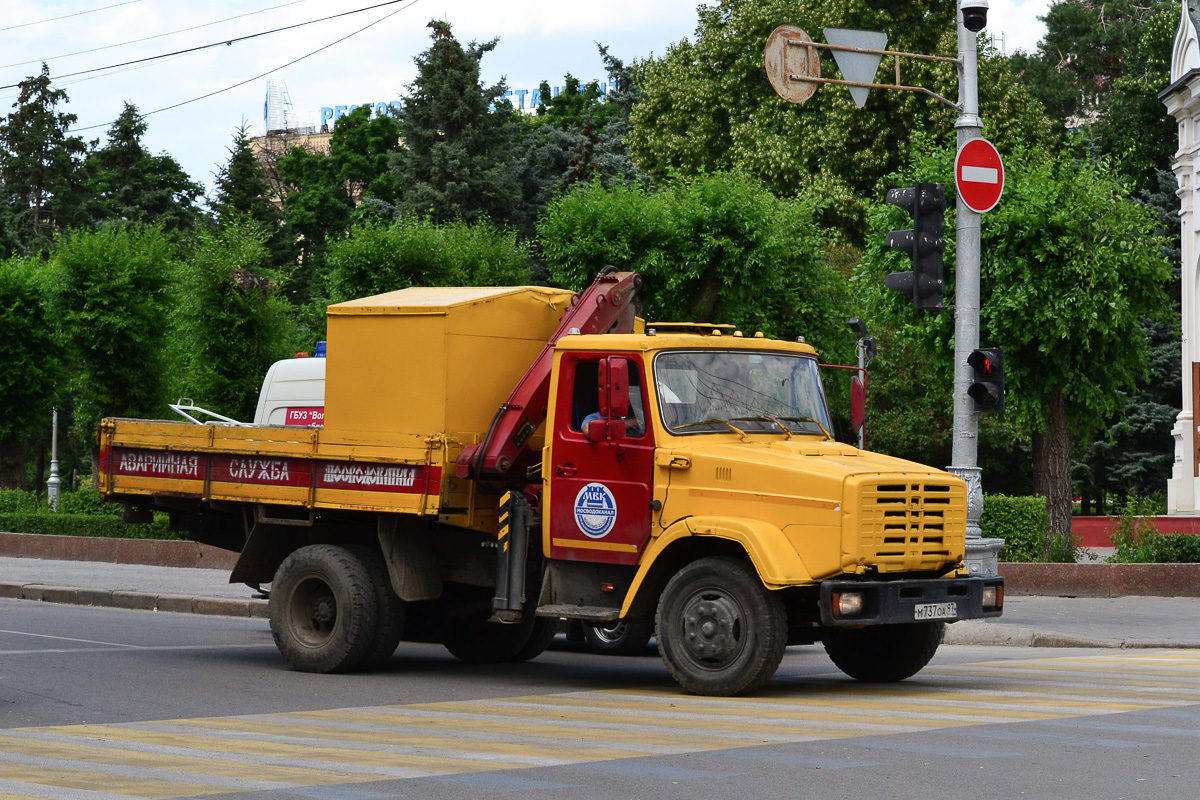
(494, 460)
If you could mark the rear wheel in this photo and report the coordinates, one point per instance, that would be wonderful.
(323, 609)
(884, 653)
(617, 638)
(391, 610)
(719, 630)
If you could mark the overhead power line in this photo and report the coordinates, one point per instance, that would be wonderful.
(67, 16)
(224, 43)
(270, 71)
(149, 38)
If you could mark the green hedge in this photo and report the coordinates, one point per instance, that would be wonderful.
(1019, 521)
(15, 501)
(87, 525)
(80, 513)
(82, 501)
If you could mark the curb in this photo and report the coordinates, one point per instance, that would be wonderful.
(997, 634)
(137, 601)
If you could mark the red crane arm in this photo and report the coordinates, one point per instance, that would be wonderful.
(604, 307)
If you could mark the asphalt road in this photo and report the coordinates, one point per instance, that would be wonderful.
(100, 704)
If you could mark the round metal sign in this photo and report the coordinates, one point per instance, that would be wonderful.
(979, 175)
(788, 62)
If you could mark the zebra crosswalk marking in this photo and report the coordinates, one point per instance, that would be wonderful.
(286, 752)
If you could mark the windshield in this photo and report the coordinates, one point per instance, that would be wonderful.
(714, 391)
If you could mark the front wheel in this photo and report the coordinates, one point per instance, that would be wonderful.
(720, 631)
(884, 653)
(323, 609)
(617, 638)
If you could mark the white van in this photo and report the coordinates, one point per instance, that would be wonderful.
(293, 392)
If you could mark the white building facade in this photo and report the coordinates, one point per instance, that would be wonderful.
(1182, 98)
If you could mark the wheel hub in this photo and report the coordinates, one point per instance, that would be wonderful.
(711, 629)
(324, 612)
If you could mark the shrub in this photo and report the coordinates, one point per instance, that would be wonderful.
(17, 501)
(87, 525)
(87, 501)
(1138, 541)
(1019, 521)
(80, 513)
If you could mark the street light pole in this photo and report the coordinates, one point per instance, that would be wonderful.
(981, 556)
(54, 485)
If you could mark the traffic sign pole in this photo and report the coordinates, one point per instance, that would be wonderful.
(982, 554)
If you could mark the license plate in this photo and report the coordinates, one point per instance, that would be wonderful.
(935, 611)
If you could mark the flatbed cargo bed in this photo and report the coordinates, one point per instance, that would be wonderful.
(274, 465)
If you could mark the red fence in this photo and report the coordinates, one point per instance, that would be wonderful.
(1095, 531)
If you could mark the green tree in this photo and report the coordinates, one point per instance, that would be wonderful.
(575, 105)
(412, 251)
(32, 365)
(1099, 69)
(109, 296)
(578, 135)
(127, 183)
(324, 190)
(456, 154)
(1137, 453)
(708, 104)
(230, 321)
(241, 189)
(1070, 269)
(717, 248)
(40, 165)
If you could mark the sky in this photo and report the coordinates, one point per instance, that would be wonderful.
(364, 57)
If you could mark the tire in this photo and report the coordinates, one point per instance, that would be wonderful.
(719, 630)
(884, 653)
(391, 609)
(617, 638)
(544, 631)
(323, 609)
(474, 640)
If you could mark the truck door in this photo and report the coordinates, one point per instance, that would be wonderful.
(599, 491)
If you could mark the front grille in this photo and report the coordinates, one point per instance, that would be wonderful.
(912, 524)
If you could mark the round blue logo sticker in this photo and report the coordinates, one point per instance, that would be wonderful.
(595, 510)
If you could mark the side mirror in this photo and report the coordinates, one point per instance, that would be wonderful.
(614, 387)
(858, 403)
(605, 430)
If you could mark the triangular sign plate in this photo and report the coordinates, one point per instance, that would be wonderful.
(857, 67)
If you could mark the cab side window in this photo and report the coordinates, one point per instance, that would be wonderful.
(585, 397)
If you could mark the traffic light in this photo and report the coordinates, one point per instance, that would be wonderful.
(987, 389)
(926, 202)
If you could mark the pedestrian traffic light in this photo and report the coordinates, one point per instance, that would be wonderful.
(987, 387)
(926, 203)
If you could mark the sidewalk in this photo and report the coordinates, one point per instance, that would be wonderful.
(137, 586)
(1028, 621)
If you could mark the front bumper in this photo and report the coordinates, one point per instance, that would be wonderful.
(893, 602)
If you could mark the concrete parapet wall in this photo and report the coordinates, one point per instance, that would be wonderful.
(1102, 580)
(152, 552)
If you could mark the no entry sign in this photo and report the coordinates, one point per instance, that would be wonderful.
(979, 175)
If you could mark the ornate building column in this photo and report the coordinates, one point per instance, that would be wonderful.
(1182, 99)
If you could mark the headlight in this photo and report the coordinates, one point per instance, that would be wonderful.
(847, 604)
(993, 597)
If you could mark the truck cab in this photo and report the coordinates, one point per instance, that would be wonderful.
(699, 444)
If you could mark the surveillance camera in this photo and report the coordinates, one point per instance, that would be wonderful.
(974, 14)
